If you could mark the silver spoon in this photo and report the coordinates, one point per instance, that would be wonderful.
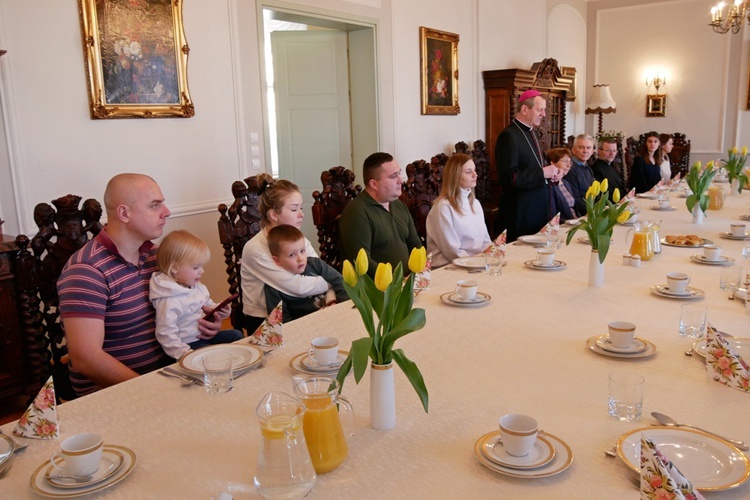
(670, 422)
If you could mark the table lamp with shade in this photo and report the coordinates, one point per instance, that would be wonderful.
(601, 102)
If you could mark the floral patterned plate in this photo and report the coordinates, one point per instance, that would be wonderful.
(710, 463)
(740, 346)
(243, 356)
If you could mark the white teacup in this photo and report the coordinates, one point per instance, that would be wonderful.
(677, 282)
(79, 455)
(467, 289)
(712, 252)
(324, 350)
(518, 433)
(546, 256)
(738, 229)
(621, 334)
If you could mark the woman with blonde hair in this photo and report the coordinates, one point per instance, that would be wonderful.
(280, 203)
(455, 224)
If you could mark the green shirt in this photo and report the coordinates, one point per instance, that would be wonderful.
(386, 236)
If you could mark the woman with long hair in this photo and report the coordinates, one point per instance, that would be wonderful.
(646, 172)
(455, 224)
(562, 192)
(667, 143)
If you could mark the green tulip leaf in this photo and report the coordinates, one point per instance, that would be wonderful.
(412, 372)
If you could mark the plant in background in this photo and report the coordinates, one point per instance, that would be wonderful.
(610, 134)
(735, 166)
(391, 298)
(601, 217)
(698, 179)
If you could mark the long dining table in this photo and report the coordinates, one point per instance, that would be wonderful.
(523, 352)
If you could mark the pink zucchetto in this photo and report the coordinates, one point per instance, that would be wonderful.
(528, 95)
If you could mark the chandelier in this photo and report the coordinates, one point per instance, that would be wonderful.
(722, 21)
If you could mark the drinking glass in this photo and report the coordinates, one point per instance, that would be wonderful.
(554, 238)
(493, 265)
(693, 321)
(625, 396)
(746, 250)
(217, 372)
(729, 278)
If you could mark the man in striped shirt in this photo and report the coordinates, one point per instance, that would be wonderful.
(109, 321)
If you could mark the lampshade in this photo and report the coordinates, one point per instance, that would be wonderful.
(601, 100)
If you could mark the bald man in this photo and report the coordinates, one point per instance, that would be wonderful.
(109, 321)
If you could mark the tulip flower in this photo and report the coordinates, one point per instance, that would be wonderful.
(744, 150)
(596, 188)
(616, 195)
(417, 259)
(734, 150)
(709, 165)
(589, 192)
(350, 276)
(383, 276)
(362, 263)
(624, 216)
(605, 186)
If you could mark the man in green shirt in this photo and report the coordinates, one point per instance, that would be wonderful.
(376, 219)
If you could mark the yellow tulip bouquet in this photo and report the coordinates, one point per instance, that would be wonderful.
(391, 298)
(601, 217)
(698, 179)
(735, 165)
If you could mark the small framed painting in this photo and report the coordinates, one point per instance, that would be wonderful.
(656, 105)
(439, 76)
(136, 59)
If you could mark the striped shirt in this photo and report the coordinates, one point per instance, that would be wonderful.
(98, 283)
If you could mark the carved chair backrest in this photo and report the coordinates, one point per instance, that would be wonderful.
(63, 229)
(237, 224)
(338, 190)
(679, 158)
(422, 186)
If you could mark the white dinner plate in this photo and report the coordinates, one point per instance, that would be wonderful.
(451, 298)
(709, 463)
(556, 265)
(648, 351)
(6, 449)
(541, 453)
(243, 356)
(475, 262)
(691, 293)
(296, 364)
(729, 236)
(313, 365)
(573, 222)
(562, 460)
(740, 346)
(704, 242)
(638, 345)
(723, 261)
(40, 485)
(671, 208)
(533, 239)
(111, 462)
(647, 195)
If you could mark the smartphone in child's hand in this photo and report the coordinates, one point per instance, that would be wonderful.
(224, 303)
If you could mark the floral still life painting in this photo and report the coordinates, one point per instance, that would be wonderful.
(439, 72)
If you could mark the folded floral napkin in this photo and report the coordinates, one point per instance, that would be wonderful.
(724, 364)
(658, 185)
(660, 479)
(628, 197)
(675, 180)
(422, 279)
(40, 419)
(268, 333)
(554, 223)
(497, 247)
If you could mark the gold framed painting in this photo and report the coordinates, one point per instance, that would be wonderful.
(439, 75)
(135, 53)
(656, 105)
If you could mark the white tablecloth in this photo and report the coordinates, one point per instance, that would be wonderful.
(524, 352)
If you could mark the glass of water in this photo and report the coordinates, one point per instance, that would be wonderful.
(625, 396)
(217, 372)
(746, 250)
(693, 321)
(493, 265)
(729, 278)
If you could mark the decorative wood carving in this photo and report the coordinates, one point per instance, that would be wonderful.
(679, 158)
(422, 186)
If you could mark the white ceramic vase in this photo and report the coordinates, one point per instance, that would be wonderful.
(697, 214)
(382, 397)
(596, 270)
(734, 187)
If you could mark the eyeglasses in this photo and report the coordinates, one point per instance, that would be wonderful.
(607, 150)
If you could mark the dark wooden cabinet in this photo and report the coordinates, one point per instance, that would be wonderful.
(503, 87)
(11, 346)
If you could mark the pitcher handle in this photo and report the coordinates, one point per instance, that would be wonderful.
(344, 401)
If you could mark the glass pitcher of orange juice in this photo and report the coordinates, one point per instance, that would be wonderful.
(640, 239)
(322, 426)
(715, 197)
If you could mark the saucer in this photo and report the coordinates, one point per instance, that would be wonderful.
(689, 293)
(296, 364)
(638, 345)
(534, 239)
(561, 461)
(573, 222)
(453, 299)
(111, 462)
(313, 365)
(556, 265)
(729, 236)
(663, 209)
(541, 454)
(723, 261)
(41, 486)
(648, 351)
(745, 217)
(475, 262)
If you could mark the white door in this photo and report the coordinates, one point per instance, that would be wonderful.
(311, 84)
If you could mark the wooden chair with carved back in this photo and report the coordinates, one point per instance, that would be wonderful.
(338, 190)
(238, 223)
(422, 186)
(63, 229)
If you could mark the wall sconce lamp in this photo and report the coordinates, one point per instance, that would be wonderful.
(657, 82)
(656, 104)
(601, 102)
